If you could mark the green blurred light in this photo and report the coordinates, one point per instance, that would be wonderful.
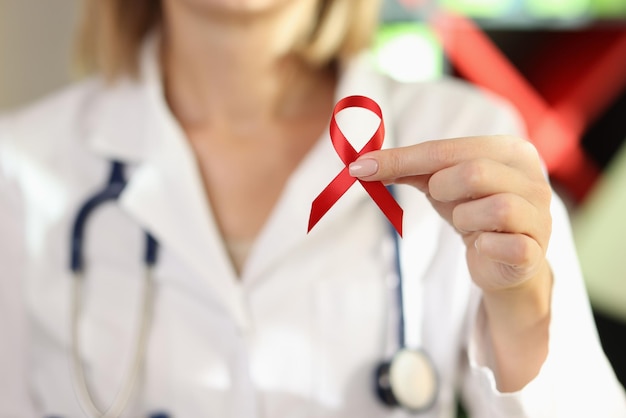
(408, 52)
(600, 237)
(608, 8)
(558, 9)
(479, 8)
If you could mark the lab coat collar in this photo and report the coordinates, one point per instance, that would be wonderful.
(165, 193)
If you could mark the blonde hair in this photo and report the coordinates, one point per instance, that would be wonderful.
(112, 31)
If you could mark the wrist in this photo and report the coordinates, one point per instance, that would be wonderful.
(518, 321)
(515, 309)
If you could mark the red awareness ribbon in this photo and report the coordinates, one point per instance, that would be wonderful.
(342, 182)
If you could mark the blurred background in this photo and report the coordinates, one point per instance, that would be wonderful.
(562, 63)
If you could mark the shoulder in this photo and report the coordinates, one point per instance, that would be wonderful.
(51, 112)
(443, 108)
(46, 124)
(65, 124)
(448, 93)
(449, 108)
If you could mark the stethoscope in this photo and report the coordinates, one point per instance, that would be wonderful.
(407, 380)
(111, 192)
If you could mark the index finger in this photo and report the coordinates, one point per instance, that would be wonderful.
(431, 156)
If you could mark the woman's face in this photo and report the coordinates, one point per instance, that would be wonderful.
(285, 22)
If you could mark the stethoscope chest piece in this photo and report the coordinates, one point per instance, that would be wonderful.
(409, 380)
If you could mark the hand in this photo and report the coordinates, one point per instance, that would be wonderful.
(490, 189)
(493, 191)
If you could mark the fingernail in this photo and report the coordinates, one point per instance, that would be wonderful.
(476, 246)
(363, 168)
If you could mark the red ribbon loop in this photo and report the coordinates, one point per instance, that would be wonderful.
(342, 182)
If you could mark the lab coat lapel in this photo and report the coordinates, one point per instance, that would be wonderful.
(165, 194)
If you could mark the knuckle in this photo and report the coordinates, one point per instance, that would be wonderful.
(522, 149)
(544, 193)
(473, 175)
(531, 149)
(523, 146)
(540, 193)
(441, 151)
(393, 165)
(502, 213)
(508, 141)
(522, 253)
(526, 149)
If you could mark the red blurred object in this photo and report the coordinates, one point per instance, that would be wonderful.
(575, 79)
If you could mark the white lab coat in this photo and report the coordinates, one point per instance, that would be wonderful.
(299, 333)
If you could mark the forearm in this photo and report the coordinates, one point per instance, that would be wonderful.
(518, 321)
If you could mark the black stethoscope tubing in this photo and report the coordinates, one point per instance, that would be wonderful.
(382, 379)
(383, 382)
(111, 192)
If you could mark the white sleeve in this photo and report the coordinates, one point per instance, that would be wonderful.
(576, 379)
(14, 393)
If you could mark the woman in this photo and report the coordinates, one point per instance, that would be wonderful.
(218, 110)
